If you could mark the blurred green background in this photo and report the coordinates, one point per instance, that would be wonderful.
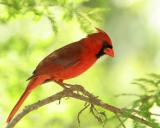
(31, 31)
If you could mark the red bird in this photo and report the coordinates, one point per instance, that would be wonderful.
(68, 62)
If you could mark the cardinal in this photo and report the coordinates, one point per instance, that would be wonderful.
(67, 62)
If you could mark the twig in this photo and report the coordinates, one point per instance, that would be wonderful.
(80, 112)
(127, 94)
(138, 112)
(124, 120)
(85, 96)
(120, 120)
(94, 112)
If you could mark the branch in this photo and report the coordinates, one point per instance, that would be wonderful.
(77, 92)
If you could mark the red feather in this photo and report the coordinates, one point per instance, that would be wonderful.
(67, 62)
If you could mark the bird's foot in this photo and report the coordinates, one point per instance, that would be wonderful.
(72, 87)
(79, 89)
(63, 85)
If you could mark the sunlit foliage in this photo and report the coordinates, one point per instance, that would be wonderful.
(31, 29)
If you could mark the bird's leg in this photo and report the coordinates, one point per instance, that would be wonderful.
(75, 87)
(65, 86)
(61, 84)
(69, 86)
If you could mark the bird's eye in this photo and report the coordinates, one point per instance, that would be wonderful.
(106, 45)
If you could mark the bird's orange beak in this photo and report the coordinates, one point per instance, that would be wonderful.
(109, 52)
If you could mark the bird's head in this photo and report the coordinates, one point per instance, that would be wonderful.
(107, 47)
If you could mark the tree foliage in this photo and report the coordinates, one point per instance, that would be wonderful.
(145, 101)
(87, 16)
(17, 59)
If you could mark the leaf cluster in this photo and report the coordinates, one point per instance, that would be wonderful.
(145, 102)
(150, 97)
(87, 17)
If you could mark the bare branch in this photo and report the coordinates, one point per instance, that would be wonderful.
(84, 96)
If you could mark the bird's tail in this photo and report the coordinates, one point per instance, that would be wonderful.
(32, 84)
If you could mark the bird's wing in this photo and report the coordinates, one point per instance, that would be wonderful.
(60, 59)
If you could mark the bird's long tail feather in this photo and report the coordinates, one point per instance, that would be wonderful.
(32, 84)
